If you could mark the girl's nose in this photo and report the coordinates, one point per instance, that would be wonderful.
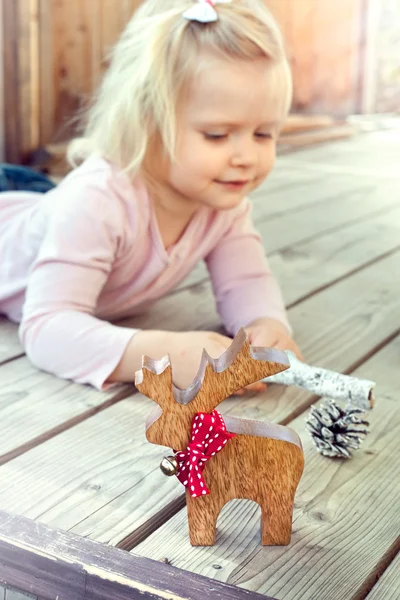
(244, 154)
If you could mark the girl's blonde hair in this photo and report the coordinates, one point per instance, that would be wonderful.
(153, 61)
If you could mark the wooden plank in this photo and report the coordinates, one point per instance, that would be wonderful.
(341, 532)
(388, 585)
(307, 267)
(356, 156)
(322, 209)
(59, 565)
(101, 478)
(35, 406)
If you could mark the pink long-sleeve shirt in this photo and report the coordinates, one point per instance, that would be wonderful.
(90, 251)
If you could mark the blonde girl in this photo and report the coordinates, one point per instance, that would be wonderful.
(183, 127)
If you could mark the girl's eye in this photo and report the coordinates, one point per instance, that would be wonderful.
(215, 136)
(264, 136)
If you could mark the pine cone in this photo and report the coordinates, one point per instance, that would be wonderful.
(336, 431)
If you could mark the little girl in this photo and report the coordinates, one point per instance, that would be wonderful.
(184, 126)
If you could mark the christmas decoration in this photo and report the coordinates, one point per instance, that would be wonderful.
(336, 431)
(209, 436)
(325, 383)
(262, 461)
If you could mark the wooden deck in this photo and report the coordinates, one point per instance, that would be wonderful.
(77, 460)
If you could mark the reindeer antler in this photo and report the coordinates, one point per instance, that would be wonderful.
(237, 367)
(154, 380)
(216, 379)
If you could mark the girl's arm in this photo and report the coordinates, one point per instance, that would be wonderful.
(244, 286)
(58, 329)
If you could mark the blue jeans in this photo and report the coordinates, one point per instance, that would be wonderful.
(15, 177)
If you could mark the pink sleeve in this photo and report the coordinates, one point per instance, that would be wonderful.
(244, 287)
(58, 329)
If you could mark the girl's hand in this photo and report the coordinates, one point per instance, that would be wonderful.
(185, 350)
(271, 334)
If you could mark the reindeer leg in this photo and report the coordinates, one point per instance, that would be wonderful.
(276, 519)
(202, 516)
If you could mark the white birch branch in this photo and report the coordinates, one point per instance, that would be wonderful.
(329, 384)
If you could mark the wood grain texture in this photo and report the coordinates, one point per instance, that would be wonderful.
(263, 462)
(53, 565)
(343, 522)
(34, 403)
(11, 71)
(22, 76)
(388, 585)
(99, 479)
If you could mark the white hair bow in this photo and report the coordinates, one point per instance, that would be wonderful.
(204, 11)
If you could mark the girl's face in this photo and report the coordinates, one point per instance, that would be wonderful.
(227, 131)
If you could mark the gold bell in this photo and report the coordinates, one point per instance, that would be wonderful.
(169, 465)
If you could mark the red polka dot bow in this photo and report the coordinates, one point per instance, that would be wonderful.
(209, 436)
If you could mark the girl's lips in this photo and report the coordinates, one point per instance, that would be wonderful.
(233, 184)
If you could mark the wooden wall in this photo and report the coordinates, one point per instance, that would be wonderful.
(323, 44)
(55, 54)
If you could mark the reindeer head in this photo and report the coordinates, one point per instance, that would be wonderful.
(216, 380)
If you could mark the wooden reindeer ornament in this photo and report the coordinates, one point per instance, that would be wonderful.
(262, 461)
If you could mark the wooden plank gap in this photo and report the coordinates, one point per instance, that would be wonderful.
(334, 228)
(126, 392)
(380, 568)
(159, 519)
(15, 357)
(343, 277)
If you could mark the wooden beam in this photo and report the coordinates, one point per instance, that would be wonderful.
(21, 93)
(367, 84)
(50, 563)
(10, 61)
